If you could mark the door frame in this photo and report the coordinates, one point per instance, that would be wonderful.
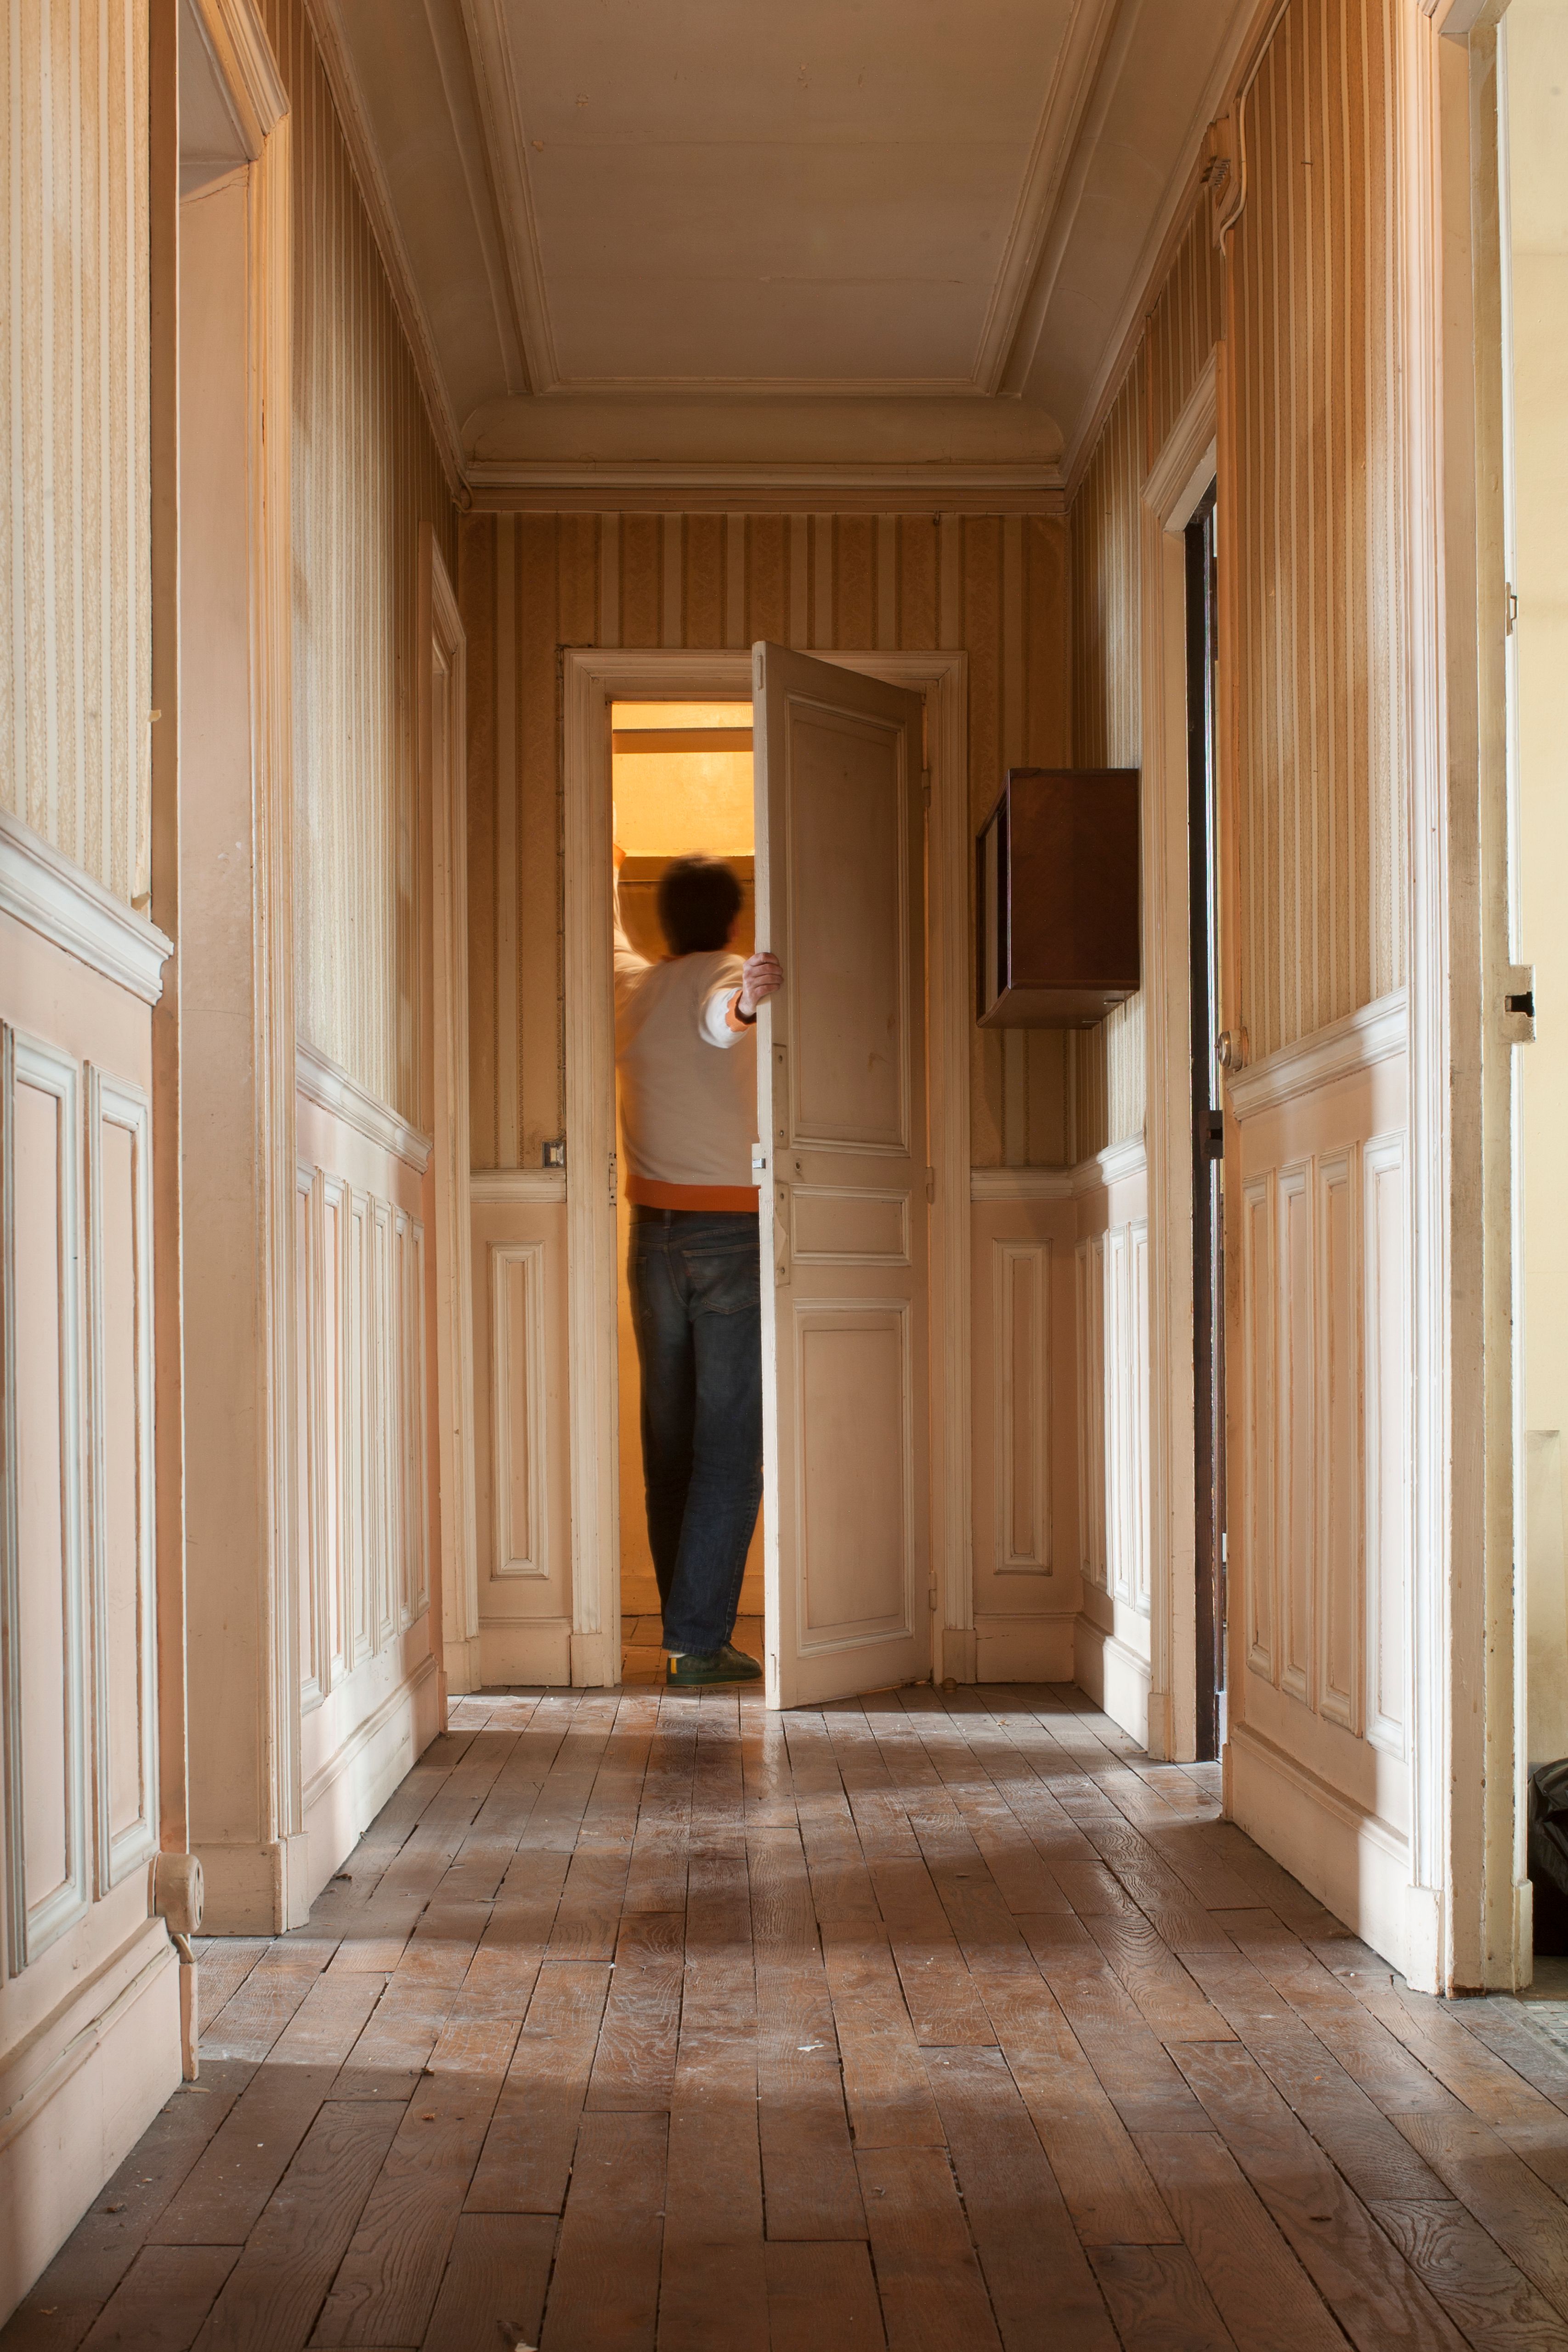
(592, 678)
(1172, 495)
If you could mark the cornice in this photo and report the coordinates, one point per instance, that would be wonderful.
(1374, 1033)
(327, 1084)
(508, 485)
(344, 83)
(238, 43)
(57, 899)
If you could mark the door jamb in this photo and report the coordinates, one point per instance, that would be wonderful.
(1174, 489)
(592, 680)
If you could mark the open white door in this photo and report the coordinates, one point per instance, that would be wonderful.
(840, 850)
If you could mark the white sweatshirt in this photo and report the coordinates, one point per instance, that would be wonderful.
(689, 1080)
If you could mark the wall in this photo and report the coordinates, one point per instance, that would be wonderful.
(75, 576)
(90, 2044)
(367, 476)
(1536, 42)
(1313, 789)
(1321, 772)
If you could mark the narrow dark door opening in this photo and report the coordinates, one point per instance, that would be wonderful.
(1208, 1226)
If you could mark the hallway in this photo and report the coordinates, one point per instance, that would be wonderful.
(932, 2021)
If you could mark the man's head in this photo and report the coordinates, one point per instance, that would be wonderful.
(699, 899)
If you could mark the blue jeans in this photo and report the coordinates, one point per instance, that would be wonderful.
(697, 1313)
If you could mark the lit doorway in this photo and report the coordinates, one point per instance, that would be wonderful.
(681, 782)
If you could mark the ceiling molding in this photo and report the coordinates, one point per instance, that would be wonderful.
(344, 83)
(455, 60)
(1050, 157)
(501, 116)
(1166, 233)
(509, 487)
(247, 71)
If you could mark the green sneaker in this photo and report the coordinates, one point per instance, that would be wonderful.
(699, 1669)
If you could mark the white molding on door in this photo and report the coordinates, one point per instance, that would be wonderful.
(1175, 488)
(593, 679)
(63, 905)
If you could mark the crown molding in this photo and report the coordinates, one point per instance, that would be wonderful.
(507, 487)
(1165, 234)
(327, 1084)
(343, 82)
(236, 42)
(63, 905)
(517, 1188)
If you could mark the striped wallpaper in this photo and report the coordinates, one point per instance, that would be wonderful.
(366, 476)
(534, 583)
(1320, 788)
(75, 514)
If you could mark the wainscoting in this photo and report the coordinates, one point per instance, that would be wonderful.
(1111, 1645)
(1317, 1760)
(522, 1436)
(368, 1680)
(89, 2020)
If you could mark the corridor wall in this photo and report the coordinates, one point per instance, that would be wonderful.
(994, 586)
(89, 2031)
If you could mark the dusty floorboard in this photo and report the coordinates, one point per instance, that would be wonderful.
(925, 2021)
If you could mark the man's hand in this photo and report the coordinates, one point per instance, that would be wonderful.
(762, 976)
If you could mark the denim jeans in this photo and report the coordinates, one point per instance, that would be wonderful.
(697, 1313)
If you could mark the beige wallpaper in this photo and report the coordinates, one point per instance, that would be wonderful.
(534, 583)
(366, 478)
(75, 582)
(1319, 787)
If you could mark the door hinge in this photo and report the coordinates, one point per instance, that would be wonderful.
(612, 1180)
(1519, 1004)
(1510, 609)
(930, 1184)
(1211, 1132)
(935, 1599)
(925, 785)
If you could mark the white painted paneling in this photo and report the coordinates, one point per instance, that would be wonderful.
(1338, 1452)
(517, 1407)
(120, 1471)
(44, 1597)
(1021, 1393)
(1387, 1419)
(1296, 1435)
(1257, 1426)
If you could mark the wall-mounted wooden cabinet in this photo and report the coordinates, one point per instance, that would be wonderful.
(1056, 928)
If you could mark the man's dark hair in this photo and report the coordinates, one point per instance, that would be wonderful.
(699, 899)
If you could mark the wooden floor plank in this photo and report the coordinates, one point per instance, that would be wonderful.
(939, 2019)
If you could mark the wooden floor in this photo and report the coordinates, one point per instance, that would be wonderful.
(941, 2020)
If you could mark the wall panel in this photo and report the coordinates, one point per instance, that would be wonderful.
(530, 583)
(367, 477)
(75, 578)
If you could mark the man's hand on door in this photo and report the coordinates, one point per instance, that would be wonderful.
(762, 976)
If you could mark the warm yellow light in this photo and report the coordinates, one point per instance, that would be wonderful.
(668, 804)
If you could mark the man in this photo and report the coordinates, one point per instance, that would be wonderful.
(685, 1051)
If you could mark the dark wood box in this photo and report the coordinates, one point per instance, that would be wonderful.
(1057, 899)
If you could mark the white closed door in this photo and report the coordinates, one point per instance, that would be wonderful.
(840, 868)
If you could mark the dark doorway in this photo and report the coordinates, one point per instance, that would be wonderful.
(1208, 1129)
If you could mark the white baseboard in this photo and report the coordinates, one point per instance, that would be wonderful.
(74, 2104)
(1116, 1677)
(518, 1651)
(1356, 1864)
(1027, 1646)
(345, 1796)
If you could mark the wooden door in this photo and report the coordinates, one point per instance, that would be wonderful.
(840, 869)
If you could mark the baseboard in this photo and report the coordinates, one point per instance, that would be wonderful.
(515, 1651)
(1114, 1675)
(75, 2104)
(1357, 1865)
(344, 1797)
(1027, 1646)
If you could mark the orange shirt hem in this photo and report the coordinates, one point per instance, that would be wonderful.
(648, 1192)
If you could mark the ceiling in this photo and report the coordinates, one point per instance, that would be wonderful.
(709, 242)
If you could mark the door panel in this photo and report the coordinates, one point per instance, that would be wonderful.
(841, 899)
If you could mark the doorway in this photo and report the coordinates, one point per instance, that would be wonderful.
(1208, 1135)
(594, 681)
(681, 782)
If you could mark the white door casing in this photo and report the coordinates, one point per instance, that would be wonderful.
(594, 678)
(840, 850)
